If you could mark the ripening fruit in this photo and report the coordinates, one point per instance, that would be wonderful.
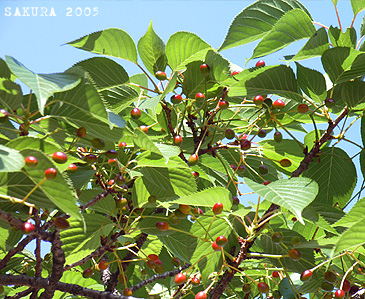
(329, 102)
(72, 168)
(31, 161)
(122, 278)
(201, 295)
(295, 241)
(229, 134)
(245, 144)
(217, 208)
(277, 237)
(346, 286)
(50, 173)
(195, 174)
(62, 223)
(326, 286)
(330, 277)
(215, 246)
(260, 63)
(180, 278)
(204, 69)
(339, 294)
(4, 115)
(174, 220)
(195, 281)
(87, 273)
(241, 169)
(302, 108)
(176, 99)
(285, 163)
(275, 274)
(178, 140)
(151, 199)
(258, 100)
(306, 275)
(111, 154)
(278, 137)
(246, 288)
(263, 287)
(59, 157)
(122, 145)
(113, 162)
(263, 169)
(91, 158)
(223, 104)
(180, 214)
(98, 143)
(103, 265)
(294, 254)
(199, 97)
(144, 128)
(162, 226)
(193, 159)
(160, 75)
(120, 203)
(221, 241)
(185, 209)
(278, 104)
(153, 257)
(136, 113)
(235, 201)
(262, 133)
(266, 183)
(127, 292)
(28, 227)
(81, 132)
(175, 261)
(235, 73)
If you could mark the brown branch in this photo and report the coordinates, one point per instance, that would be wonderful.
(57, 268)
(21, 294)
(74, 289)
(95, 199)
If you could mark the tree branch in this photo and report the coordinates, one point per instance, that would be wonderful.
(95, 199)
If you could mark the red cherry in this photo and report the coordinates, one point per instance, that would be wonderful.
(28, 227)
(235, 73)
(302, 108)
(87, 273)
(178, 140)
(306, 275)
(201, 295)
(153, 257)
(136, 113)
(31, 161)
(263, 287)
(339, 294)
(260, 63)
(81, 132)
(195, 174)
(217, 208)
(275, 274)
(59, 157)
(294, 254)
(204, 69)
(258, 100)
(223, 104)
(199, 97)
(127, 292)
(180, 278)
(162, 226)
(103, 265)
(50, 173)
(193, 159)
(122, 145)
(195, 281)
(266, 183)
(113, 162)
(144, 128)
(72, 168)
(245, 144)
(160, 75)
(215, 246)
(221, 241)
(278, 104)
(176, 99)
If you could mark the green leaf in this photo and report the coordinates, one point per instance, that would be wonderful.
(151, 49)
(194, 81)
(83, 236)
(362, 27)
(42, 85)
(293, 194)
(279, 80)
(150, 159)
(256, 20)
(111, 42)
(352, 237)
(342, 39)
(11, 95)
(357, 6)
(314, 47)
(334, 187)
(4, 70)
(292, 26)
(312, 83)
(351, 92)
(10, 159)
(220, 68)
(104, 71)
(120, 97)
(343, 64)
(183, 48)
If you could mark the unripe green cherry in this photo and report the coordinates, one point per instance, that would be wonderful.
(193, 159)
(98, 143)
(160, 75)
(229, 134)
(277, 237)
(329, 102)
(278, 137)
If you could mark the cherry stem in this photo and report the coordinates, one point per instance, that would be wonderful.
(210, 225)
(34, 188)
(285, 129)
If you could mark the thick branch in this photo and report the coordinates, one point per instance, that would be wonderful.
(73, 289)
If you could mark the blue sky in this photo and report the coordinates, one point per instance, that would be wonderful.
(38, 41)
